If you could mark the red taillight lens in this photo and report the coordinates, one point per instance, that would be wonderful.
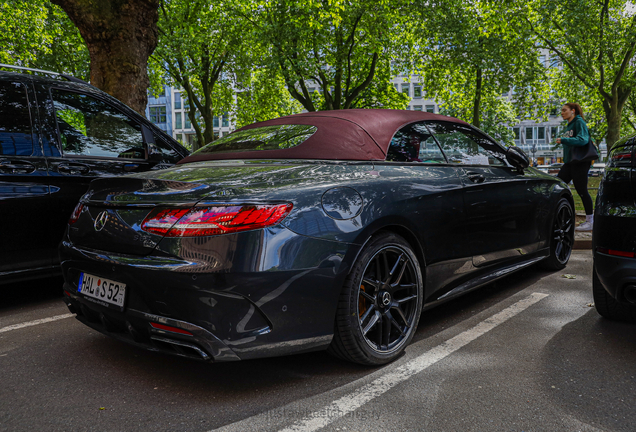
(170, 329)
(214, 220)
(76, 213)
(616, 252)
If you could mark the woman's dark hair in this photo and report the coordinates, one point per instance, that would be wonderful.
(576, 107)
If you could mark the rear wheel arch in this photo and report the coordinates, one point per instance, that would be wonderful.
(403, 231)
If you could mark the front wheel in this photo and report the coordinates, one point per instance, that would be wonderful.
(380, 304)
(561, 237)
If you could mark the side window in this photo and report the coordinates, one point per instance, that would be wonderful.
(90, 127)
(168, 154)
(414, 143)
(463, 146)
(15, 120)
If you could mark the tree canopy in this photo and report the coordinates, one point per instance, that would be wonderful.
(333, 54)
(38, 34)
(202, 50)
(472, 56)
(596, 43)
(258, 59)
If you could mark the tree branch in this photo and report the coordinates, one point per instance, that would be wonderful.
(356, 91)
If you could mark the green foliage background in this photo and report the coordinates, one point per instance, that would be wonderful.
(260, 59)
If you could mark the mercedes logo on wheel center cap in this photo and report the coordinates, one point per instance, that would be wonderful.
(386, 298)
(100, 221)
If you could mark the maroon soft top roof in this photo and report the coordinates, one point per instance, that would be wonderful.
(353, 134)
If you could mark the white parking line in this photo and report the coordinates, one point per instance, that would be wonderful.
(354, 400)
(36, 322)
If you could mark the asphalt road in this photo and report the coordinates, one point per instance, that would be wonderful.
(527, 353)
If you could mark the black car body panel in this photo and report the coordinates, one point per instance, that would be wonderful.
(614, 235)
(275, 290)
(40, 182)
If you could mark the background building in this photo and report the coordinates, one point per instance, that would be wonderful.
(169, 111)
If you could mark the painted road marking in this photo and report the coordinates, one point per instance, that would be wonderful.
(347, 404)
(36, 322)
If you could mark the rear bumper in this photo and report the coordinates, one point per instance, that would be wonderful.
(615, 274)
(255, 311)
(134, 328)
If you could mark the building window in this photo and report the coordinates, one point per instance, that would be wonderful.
(397, 87)
(177, 100)
(177, 121)
(417, 107)
(406, 89)
(215, 121)
(180, 138)
(541, 133)
(555, 62)
(517, 133)
(542, 60)
(225, 122)
(430, 108)
(188, 124)
(529, 134)
(554, 132)
(417, 91)
(158, 114)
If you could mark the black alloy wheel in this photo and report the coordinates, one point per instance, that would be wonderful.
(381, 303)
(561, 236)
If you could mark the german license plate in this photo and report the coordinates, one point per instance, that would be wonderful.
(102, 291)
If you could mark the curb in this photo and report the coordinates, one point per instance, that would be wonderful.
(582, 244)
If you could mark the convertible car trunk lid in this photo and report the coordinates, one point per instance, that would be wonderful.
(114, 209)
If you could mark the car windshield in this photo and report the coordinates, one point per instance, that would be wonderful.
(263, 138)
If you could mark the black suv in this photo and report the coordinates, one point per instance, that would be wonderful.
(57, 133)
(614, 235)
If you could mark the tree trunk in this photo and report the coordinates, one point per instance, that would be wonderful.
(613, 107)
(614, 118)
(120, 36)
(477, 100)
(208, 120)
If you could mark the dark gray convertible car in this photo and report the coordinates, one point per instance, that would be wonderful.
(330, 230)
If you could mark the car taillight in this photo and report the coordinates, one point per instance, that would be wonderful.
(170, 329)
(615, 252)
(214, 220)
(76, 213)
(622, 156)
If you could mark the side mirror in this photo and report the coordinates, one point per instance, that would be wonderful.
(517, 158)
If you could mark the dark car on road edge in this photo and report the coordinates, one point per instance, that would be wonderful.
(614, 235)
(57, 134)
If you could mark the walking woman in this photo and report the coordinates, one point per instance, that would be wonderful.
(576, 160)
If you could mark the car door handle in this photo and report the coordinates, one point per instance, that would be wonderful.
(130, 167)
(16, 167)
(73, 169)
(475, 177)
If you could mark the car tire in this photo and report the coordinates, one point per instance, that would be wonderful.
(607, 306)
(380, 304)
(561, 237)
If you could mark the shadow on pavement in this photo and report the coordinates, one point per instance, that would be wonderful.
(30, 292)
(590, 363)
